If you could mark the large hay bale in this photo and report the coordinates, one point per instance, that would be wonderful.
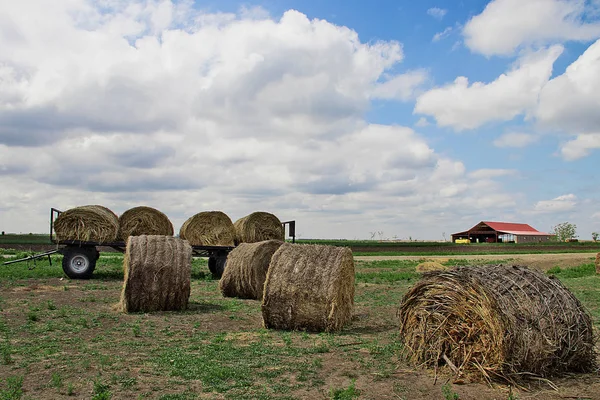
(309, 287)
(91, 223)
(598, 263)
(144, 220)
(257, 227)
(157, 274)
(429, 266)
(496, 321)
(208, 228)
(246, 270)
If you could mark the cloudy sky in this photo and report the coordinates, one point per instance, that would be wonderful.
(396, 118)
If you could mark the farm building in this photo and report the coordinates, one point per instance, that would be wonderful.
(496, 232)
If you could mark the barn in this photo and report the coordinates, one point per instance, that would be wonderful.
(502, 232)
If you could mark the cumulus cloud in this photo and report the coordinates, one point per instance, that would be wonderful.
(506, 25)
(516, 139)
(488, 173)
(441, 35)
(559, 204)
(580, 147)
(437, 13)
(154, 102)
(570, 102)
(463, 106)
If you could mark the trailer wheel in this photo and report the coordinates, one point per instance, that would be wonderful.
(79, 262)
(216, 265)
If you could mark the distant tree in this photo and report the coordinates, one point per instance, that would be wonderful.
(564, 231)
(595, 236)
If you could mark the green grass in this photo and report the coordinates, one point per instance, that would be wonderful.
(31, 238)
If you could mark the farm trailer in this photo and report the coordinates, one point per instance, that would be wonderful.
(79, 257)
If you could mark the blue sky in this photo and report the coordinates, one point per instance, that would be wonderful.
(403, 117)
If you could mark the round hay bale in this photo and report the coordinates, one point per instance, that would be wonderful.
(144, 220)
(257, 227)
(598, 263)
(246, 269)
(208, 228)
(429, 266)
(496, 321)
(91, 223)
(309, 287)
(157, 274)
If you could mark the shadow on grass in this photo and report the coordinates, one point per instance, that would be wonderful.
(197, 307)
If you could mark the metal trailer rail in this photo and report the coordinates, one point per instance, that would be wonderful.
(79, 257)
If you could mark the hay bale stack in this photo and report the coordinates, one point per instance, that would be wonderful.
(598, 263)
(309, 287)
(157, 274)
(257, 227)
(91, 223)
(429, 266)
(144, 220)
(208, 228)
(496, 321)
(246, 271)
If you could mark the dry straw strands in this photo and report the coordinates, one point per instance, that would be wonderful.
(157, 274)
(87, 224)
(144, 220)
(429, 266)
(257, 227)
(598, 263)
(246, 270)
(309, 287)
(208, 228)
(496, 321)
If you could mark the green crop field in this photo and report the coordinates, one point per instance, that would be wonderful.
(61, 338)
(25, 239)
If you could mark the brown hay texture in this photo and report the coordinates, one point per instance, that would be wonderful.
(91, 223)
(496, 322)
(157, 274)
(257, 227)
(429, 266)
(208, 228)
(598, 263)
(309, 287)
(144, 220)
(246, 269)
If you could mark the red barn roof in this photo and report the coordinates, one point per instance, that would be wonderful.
(508, 227)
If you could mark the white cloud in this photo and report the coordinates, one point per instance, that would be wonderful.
(570, 102)
(463, 106)
(400, 87)
(491, 173)
(437, 13)
(157, 103)
(580, 147)
(422, 122)
(441, 35)
(559, 204)
(516, 139)
(506, 25)
(596, 215)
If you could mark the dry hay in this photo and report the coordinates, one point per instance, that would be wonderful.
(598, 263)
(144, 220)
(257, 227)
(496, 322)
(208, 228)
(309, 287)
(157, 274)
(429, 266)
(87, 224)
(246, 269)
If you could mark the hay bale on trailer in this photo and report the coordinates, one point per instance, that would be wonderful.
(309, 287)
(144, 220)
(246, 271)
(91, 223)
(157, 274)
(496, 321)
(208, 228)
(257, 227)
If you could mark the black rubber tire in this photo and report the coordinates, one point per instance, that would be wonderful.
(216, 265)
(79, 262)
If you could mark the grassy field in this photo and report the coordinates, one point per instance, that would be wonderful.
(61, 338)
(25, 239)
